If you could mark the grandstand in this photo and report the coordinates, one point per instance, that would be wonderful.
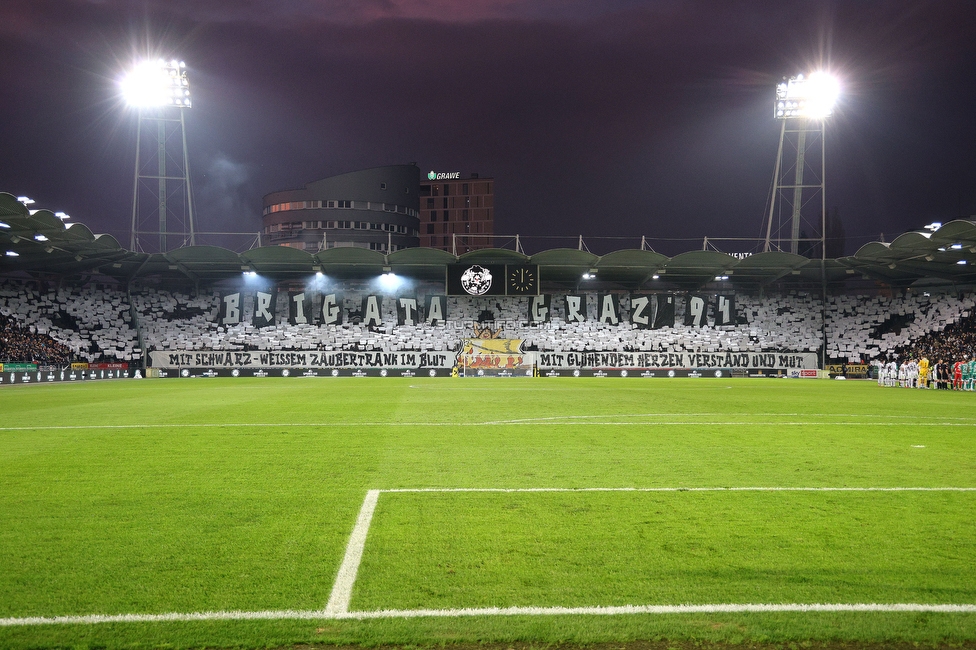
(107, 305)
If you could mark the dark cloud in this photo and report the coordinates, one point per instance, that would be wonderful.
(624, 118)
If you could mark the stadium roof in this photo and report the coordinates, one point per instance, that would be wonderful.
(38, 243)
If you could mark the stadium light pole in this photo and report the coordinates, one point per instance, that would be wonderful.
(158, 90)
(802, 105)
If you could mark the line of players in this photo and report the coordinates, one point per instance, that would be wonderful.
(960, 375)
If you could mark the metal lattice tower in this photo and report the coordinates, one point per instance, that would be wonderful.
(162, 200)
(799, 194)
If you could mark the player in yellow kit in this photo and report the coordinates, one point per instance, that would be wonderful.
(923, 373)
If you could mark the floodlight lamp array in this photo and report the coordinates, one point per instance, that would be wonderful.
(810, 97)
(152, 84)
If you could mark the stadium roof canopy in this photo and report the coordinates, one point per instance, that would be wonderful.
(39, 244)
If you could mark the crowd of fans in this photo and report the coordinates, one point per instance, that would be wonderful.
(957, 342)
(20, 345)
(943, 360)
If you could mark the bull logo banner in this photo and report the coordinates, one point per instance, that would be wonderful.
(407, 313)
(331, 312)
(230, 308)
(495, 354)
(576, 308)
(476, 279)
(299, 308)
(264, 309)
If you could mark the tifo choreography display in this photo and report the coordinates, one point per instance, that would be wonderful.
(342, 328)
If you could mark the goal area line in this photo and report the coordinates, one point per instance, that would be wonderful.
(341, 594)
(323, 615)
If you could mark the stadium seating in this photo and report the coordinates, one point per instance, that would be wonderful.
(99, 323)
(94, 321)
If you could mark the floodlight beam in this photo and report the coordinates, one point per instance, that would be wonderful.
(153, 88)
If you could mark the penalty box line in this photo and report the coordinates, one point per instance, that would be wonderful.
(341, 595)
(338, 605)
(623, 610)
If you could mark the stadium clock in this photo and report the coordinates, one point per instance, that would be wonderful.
(523, 280)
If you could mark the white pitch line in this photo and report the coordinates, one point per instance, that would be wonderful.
(342, 588)
(623, 610)
(691, 489)
(627, 423)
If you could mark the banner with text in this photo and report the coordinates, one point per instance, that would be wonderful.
(446, 359)
(639, 360)
(300, 359)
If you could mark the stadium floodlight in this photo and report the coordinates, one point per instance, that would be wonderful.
(159, 88)
(25, 200)
(807, 100)
(390, 281)
(956, 247)
(12, 254)
(935, 225)
(812, 97)
(4, 224)
(157, 83)
(40, 237)
(62, 215)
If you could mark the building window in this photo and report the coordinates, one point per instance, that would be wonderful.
(467, 228)
(447, 189)
(382, 186)
(343, 204)
(430, 203)
(444, 202)
(464, 215)
(433, 215)
(464, 188)
(430, 229)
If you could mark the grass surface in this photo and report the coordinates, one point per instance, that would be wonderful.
(201, 495)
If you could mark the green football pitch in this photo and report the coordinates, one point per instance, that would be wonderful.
(263, 512)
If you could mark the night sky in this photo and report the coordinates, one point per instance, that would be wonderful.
(613, 118)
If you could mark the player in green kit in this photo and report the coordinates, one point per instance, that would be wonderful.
(969, 374)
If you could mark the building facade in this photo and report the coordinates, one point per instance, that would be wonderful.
(374, 208)
(456, 214)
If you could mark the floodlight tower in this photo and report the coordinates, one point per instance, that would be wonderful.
(802, 106)
(159, 90)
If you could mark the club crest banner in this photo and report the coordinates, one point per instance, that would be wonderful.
(492, 353)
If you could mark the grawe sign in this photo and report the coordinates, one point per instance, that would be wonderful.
(443, 176)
